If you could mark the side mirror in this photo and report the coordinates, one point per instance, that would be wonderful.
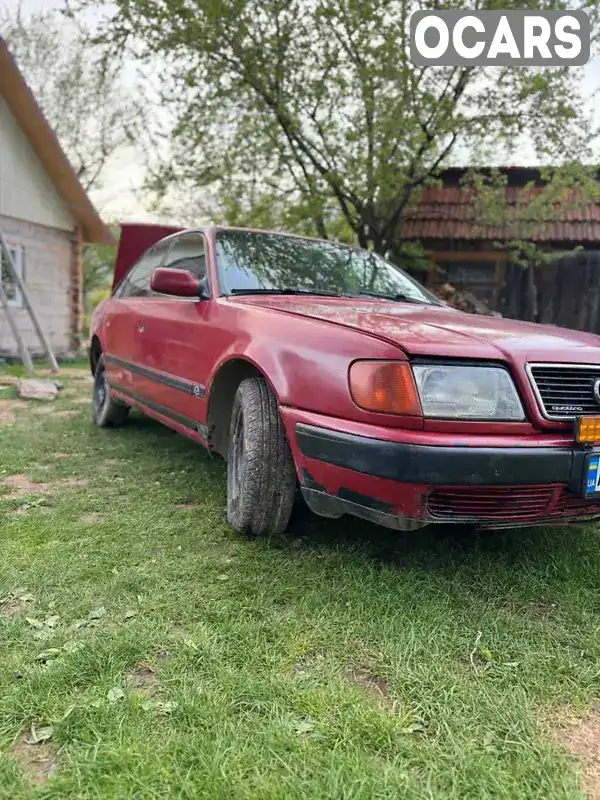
(176, 282)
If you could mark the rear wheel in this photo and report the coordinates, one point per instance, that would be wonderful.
(106, 412)
(261, 478)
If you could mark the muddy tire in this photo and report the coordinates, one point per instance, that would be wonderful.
(261, 477)
(106, 412)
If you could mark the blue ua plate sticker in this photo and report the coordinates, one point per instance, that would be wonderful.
(593, 475)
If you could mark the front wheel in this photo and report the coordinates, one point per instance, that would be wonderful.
(261, 478)
(106, 412)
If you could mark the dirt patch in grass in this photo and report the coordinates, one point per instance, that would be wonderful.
(582, 740)
(64, 414)
(80, 379)
(38, 761)
(538, 612)
(307, 663)
(7, 409)
(187, 506)
(541, 611)
(20, 512)
(143, 679)
(22, 486)
(11, 607)
(375, 686)
(38, 408)
(66, 372)
(93, 518)
(73, 481)
(61, 455)
(81, 401)
(177, 628)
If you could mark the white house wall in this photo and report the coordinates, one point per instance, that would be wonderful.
(26, 191)
(47, 256)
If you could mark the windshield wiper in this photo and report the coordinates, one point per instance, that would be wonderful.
(318, 292)
(399, 296)
(324, 293)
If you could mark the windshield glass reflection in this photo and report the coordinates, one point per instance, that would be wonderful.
(253, 261)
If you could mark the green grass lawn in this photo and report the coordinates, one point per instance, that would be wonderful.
(165, 656)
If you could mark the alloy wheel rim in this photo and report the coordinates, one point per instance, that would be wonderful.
(100, 392)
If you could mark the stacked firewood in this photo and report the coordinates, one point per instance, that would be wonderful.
(463, 301)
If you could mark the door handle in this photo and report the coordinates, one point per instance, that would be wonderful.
(140, 327)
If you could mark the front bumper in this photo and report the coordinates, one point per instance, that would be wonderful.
(407, 485)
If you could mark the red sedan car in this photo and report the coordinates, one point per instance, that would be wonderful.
(309, 363)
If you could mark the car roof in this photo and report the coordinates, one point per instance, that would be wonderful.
(214, 229)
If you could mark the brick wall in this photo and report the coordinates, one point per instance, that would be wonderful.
(48, 261)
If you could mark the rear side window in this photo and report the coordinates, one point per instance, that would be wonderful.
(189, 253)
(137, 281)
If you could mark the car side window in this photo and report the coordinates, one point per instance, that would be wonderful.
(188, 252)
(137, 281)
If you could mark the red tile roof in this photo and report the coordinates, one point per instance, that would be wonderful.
(448, 213)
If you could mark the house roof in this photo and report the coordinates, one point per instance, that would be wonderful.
(447, 212)
(30, 118)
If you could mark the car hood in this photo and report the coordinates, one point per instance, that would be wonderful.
(442, 331)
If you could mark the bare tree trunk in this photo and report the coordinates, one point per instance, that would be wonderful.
(587, 280)
(592, 325)
(532, 293)
(548, 289)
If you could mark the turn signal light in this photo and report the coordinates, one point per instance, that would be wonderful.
(587, 429)
(384, 386)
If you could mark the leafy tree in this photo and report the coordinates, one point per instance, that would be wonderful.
(79, 88)
(99, 263)
(310, 115)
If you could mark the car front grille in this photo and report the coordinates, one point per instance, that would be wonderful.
(490, 502)
(514, 503)
(566, 391)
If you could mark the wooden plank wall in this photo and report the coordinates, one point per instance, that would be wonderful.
(565, 292)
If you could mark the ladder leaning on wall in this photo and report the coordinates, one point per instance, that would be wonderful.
(6, 257)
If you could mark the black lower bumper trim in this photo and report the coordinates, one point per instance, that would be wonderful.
(441, 466)
(327, 505)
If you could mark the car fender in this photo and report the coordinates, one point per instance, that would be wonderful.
(307, 367)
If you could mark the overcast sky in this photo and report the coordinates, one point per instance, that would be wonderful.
(120, 199)
(123, 179)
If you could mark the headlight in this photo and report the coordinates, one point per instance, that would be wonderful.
(472, 392)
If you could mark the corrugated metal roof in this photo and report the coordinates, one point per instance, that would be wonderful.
(449, 213)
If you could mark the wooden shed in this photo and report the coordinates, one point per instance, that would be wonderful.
(470, 256)
(46, 217)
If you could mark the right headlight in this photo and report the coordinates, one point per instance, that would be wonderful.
(467, 392)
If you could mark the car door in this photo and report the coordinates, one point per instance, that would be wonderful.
(173, 332)
(123, 320)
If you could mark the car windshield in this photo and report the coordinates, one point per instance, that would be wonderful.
(254, 262)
